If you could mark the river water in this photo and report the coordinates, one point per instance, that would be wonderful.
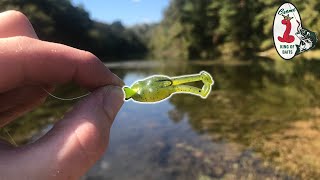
(262, 120)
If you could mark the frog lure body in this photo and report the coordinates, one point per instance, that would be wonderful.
(159, 87)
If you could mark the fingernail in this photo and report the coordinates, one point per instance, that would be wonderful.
(113, 100)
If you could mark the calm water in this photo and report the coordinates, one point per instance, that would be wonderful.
(262, 120)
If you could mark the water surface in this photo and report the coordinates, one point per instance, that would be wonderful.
(260, 121)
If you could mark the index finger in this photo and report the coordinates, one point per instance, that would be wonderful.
(26, 60)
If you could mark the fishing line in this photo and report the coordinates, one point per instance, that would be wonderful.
(65, 99)
(56, 97)
(10, 137)
(293, 13)
(299, 23)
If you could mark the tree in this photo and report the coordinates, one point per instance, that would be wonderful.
(62, 22)
(204, 29)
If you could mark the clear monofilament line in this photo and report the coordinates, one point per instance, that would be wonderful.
(293, 13)
(56, 97)
(10, 137)
(65, 99)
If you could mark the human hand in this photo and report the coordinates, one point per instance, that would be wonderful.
(77, 141)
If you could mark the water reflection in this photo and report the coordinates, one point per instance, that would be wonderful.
(145, 144)
(262, 120)
(268, 107)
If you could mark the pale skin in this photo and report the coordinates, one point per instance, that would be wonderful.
(159, 87)
(77, 141)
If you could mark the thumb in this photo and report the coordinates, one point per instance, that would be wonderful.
(79, 139)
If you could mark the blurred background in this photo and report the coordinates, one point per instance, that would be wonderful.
(261, 121)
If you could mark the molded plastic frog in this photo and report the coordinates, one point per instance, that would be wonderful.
(159, 87)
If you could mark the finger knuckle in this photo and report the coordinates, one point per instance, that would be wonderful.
(88, 58)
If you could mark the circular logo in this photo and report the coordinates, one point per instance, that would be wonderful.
(290, 38)
(286, 26)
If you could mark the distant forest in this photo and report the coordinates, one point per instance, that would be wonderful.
(190, 29)
(60, 21)
(205, 29)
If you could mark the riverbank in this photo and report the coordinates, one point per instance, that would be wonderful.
(309, 55)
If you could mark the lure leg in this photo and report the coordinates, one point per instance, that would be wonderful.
(206, 78)
(203, 76)
(185, 79)
(194, 90)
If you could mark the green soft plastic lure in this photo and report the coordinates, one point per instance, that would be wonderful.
(159, 87)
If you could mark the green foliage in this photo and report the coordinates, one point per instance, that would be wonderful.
(60, 21)
(191, 29)
(204, 29)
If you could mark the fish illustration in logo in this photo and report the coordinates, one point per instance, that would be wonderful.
(308, 39)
